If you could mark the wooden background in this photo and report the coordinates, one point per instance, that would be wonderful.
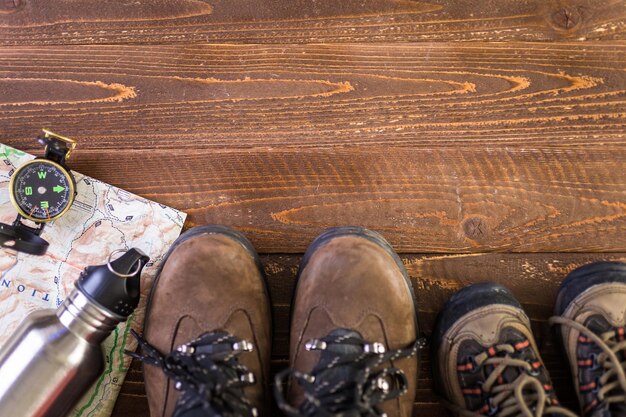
(484, 140)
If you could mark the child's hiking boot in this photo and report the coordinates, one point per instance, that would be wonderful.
(591, 312)
(486, 361)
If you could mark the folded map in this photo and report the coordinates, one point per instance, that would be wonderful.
(102, 219)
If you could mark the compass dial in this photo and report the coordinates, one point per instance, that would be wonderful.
(42, 190)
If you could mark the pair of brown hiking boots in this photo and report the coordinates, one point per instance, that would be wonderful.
(208, 330)
(353, 339)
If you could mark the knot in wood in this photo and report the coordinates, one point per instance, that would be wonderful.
(9, 6)
(475, 228)
(567, 17)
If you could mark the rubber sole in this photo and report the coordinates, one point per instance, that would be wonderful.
(208, 230)
(585, 277)
(462, 302)
(362, 232)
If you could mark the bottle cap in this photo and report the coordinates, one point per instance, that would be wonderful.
(115, 285)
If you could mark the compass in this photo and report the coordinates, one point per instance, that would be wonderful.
(42, 190)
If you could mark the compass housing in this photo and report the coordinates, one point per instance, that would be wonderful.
(42, 190)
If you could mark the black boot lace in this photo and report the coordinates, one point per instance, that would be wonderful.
(351, 378)
(207, 373)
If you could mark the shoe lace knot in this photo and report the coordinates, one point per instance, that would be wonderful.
(207, 372)
(601, 362)
(512, 383)
(352, 377)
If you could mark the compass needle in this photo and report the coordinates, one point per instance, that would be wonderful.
(55, 189)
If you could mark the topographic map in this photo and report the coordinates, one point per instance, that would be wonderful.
(102, 219)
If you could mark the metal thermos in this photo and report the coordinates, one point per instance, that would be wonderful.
(56, 356)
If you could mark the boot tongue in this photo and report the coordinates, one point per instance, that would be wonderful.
(598, 324)
(341, 373)
(214, 381)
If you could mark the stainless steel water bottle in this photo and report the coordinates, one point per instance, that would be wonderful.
(55, 356)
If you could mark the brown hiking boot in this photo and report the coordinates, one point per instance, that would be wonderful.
(591, 309)
(353, 330)
(208, 329)
(486, 361)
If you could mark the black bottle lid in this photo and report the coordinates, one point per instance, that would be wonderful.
(115, 285)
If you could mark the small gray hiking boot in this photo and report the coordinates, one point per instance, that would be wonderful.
(486, 361)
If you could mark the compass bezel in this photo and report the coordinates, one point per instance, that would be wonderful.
(65, 171)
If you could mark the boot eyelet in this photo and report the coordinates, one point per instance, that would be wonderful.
(242, 346)
(594, 361)
(375, 347)
(533, 371)
(475, 367)
(596, 390)
(315, 344)
(186, 349)
(247, 378)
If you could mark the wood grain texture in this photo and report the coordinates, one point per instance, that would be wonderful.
(443, 200)
(299, 21)
(416, 95)
(364, 112)
(252, 96)
(533, 278)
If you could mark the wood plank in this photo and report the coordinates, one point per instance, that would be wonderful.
(250, 96)
(442, 200)
(533, 278)
(298, 21)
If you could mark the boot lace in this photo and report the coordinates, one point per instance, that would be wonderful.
(207, 372)
(524, 396)
(610, 387)
(350, 378)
